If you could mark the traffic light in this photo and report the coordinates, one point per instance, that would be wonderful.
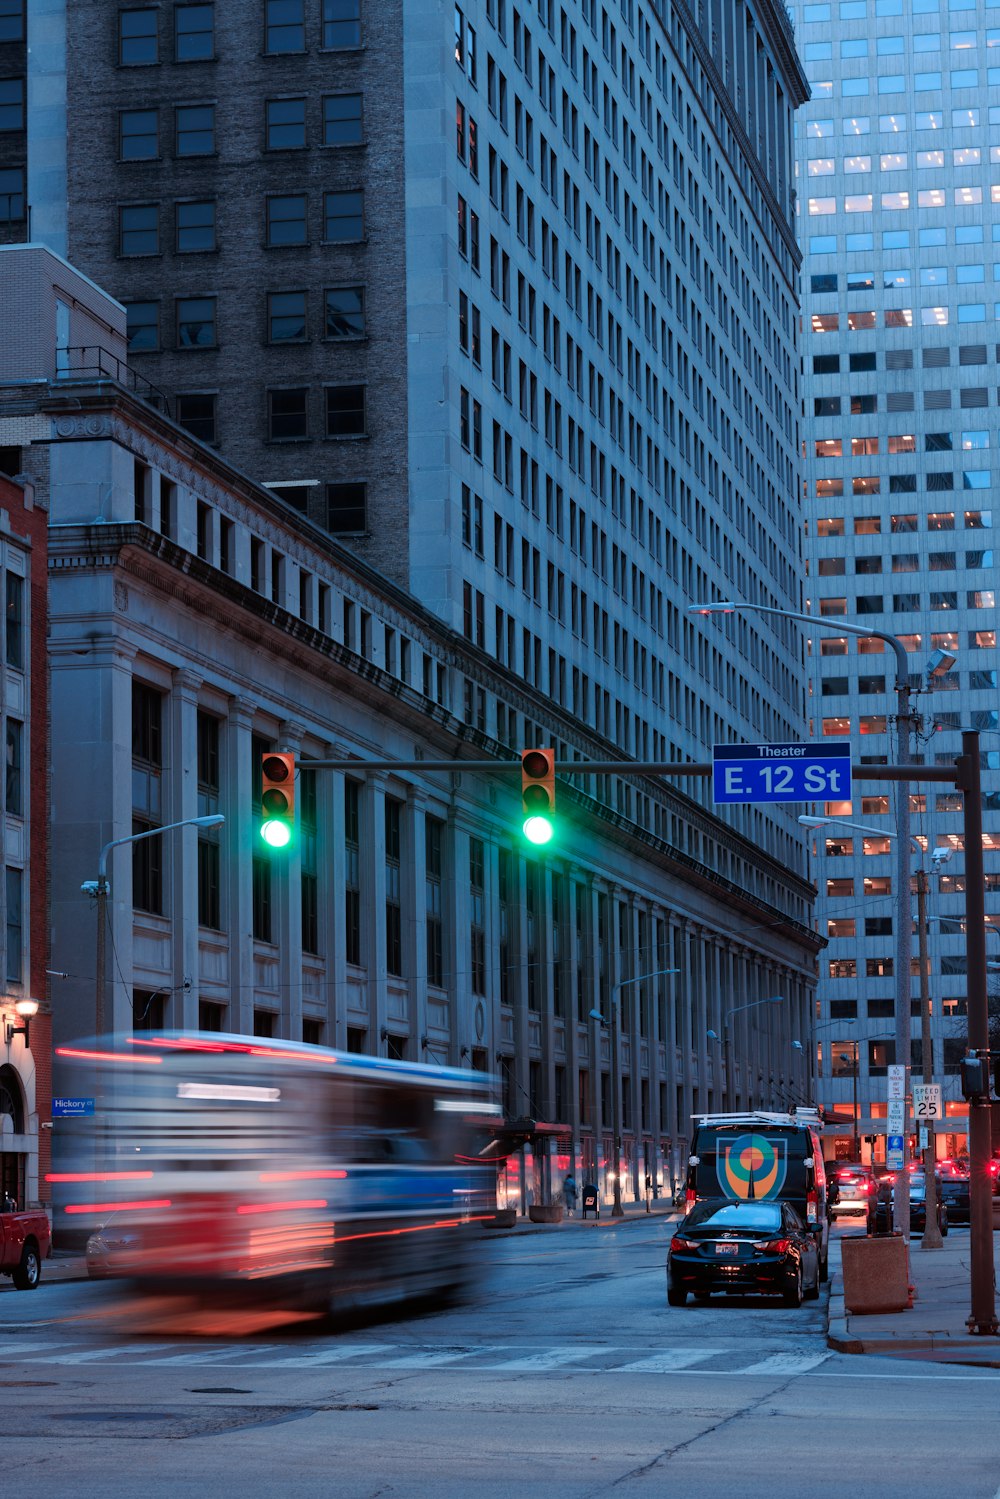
(277, 799)
(538, 794)
(975, 1078)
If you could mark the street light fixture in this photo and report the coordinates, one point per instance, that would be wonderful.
(100, 889)
(26, 1009)
(617, 1211)
(904, 908)
(769, 999)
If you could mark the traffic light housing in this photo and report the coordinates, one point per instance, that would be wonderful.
(538, 794)
(277, 798)
(975, 1078)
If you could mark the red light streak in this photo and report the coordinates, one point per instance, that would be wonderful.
(302, 1176)
(99, 1176)
(281, 1207)
(420, 1228)
(117, 1207)
(104, 1056)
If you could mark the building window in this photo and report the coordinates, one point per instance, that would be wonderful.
(284, 26)
(194, 33)
(345, 411)
(11, 20)
(194, 130)
(345, 312)
(15, 925)
(138, 227)
(12, 104)
(211, 1017)
(137, 38)
(286, 220)
(477, 925)
(147, 797)
(343, 217)
(434, 855)
(195, 228)
(15, 621)
(264, 1023)
(309, 855)
(142, 322)
(209, 846)
(196, 323)
(352, 871)
(11, 195)
(346, 506)
(286, 317)
(196, 412)
(393, 896)
(138, 134)
(14, 803)
(342, 125)
(284, 124)
(287, 414)
(341, 23)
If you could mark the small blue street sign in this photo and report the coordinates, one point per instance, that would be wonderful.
(782, 772)
(894, 1152)
(71, 1108)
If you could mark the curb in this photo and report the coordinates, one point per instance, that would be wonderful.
(526, 1227)
(935, 1350)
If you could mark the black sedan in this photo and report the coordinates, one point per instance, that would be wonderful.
(737, 1247)
(918, 1205)
(954, 1193)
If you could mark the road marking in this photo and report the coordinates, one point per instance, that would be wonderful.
(666, 1363)
(93, 1355)
(428, 1359)
(11, 1353)
(550, 1358)
(786, 1363)
(321, 1356)
(214, 1355)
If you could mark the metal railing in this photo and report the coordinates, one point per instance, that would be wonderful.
(94, 362)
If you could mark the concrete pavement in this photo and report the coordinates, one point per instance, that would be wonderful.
(934, 1327)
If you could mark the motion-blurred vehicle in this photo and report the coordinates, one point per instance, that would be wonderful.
(918, 1205)
(25, 1240)
(271, 1170)
(737, 1247)
(759, 1155)
(854, 1190)
(112, 1248)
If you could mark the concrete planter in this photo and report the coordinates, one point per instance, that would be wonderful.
(876, 1274)
(502, 1218)
(549, 1212)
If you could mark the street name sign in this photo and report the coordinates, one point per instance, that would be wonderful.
(927, 1103)
(71, 1108)
(781, 772)
(897, 1081)
(894, 1152)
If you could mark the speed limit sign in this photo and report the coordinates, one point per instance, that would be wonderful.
(927, 1102)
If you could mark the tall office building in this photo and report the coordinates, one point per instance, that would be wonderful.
(899, 200)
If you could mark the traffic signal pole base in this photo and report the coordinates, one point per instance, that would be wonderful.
(617, 1211)
(988, 1329)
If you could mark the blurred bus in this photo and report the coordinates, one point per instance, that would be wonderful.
(314, 1177)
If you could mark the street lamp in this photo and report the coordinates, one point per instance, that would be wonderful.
(904, 917)
(770, 999)
(617, 1211)
(25, 1009)
(100, 889)
(855, 1062)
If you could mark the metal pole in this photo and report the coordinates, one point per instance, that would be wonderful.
(101, 906)
(904, 924)
(932, 1231)
(854, 1079)
(617, 1210)
(732, 1102)
(982, 1317)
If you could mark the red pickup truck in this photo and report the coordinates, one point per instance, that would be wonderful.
(25, 1240)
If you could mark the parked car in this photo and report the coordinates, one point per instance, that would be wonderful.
(112, 1247)
(954, 1192)
(25, 1240)
(737, 1247)
(918, 1205)
(854, 1190)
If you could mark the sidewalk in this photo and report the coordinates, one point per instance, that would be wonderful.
(635, 1212)
(934, 1327)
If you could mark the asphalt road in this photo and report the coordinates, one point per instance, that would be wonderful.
(567, 1377)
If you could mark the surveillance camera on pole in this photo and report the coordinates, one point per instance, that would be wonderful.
(941, 856)
(939, 665)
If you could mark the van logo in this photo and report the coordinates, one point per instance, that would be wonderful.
(751, 1167)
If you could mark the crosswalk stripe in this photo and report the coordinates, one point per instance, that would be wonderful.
(549, 1358)
(668, 1361)
(26, 1345)
(232, 1355)
(786, 1363)
(94, 1355)
(427, 1358)
(321, 1356)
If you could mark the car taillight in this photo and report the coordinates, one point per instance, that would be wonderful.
(682, 1246)
(774, 1246)
(812, 1208)
(689, 1200)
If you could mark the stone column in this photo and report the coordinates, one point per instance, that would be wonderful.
(181, 858)
(288, 900)
(237, 854)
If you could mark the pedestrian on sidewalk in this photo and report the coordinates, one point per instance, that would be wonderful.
(649, 1192)
(569, 1193)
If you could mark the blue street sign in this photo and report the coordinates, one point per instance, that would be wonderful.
(71, 1108)
(894, 1152)
(782, 772)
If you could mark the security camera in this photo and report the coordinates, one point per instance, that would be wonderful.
(941, 856)
(939, 665)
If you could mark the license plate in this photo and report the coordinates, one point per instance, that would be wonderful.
(727, 1249)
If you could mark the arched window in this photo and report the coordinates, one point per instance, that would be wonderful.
(11, 1098)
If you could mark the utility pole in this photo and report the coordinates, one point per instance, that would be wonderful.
(932, 1231)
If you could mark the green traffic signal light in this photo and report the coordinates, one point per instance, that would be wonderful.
(538, 830)
(277, 798)
(276, 834)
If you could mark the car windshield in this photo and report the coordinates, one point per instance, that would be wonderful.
(759, 1216)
